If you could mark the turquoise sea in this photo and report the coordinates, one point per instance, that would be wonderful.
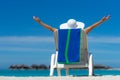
(76, 72)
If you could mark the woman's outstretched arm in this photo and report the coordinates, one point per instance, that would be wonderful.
(88, 29)
(43, 24)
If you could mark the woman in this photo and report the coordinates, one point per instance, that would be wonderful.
(71, 23)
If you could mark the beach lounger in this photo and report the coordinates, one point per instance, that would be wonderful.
(71, 51)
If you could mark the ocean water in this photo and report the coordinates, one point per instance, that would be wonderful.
(24, 73)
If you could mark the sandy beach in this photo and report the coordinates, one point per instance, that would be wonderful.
(63, 78)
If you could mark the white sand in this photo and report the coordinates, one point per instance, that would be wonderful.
(63, 78)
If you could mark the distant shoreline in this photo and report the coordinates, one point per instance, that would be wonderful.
(43, 66)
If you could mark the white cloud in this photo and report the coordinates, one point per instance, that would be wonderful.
(36, 39)
(39, 43)
(24, 49)
(26, 43)
(27, 39)
(104, 39)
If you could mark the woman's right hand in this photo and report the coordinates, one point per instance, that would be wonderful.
(105, 18)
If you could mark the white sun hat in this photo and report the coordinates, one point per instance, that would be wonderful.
(72, 24)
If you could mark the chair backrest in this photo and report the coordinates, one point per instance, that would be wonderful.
(72, 46)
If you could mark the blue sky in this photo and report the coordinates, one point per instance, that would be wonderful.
(23, 41)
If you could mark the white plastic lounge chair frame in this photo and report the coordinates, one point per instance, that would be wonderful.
(86, 63)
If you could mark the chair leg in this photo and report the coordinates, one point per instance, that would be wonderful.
(52, 64)
(51, 71)
(67, 71)
(91, 68)
(58, 70)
